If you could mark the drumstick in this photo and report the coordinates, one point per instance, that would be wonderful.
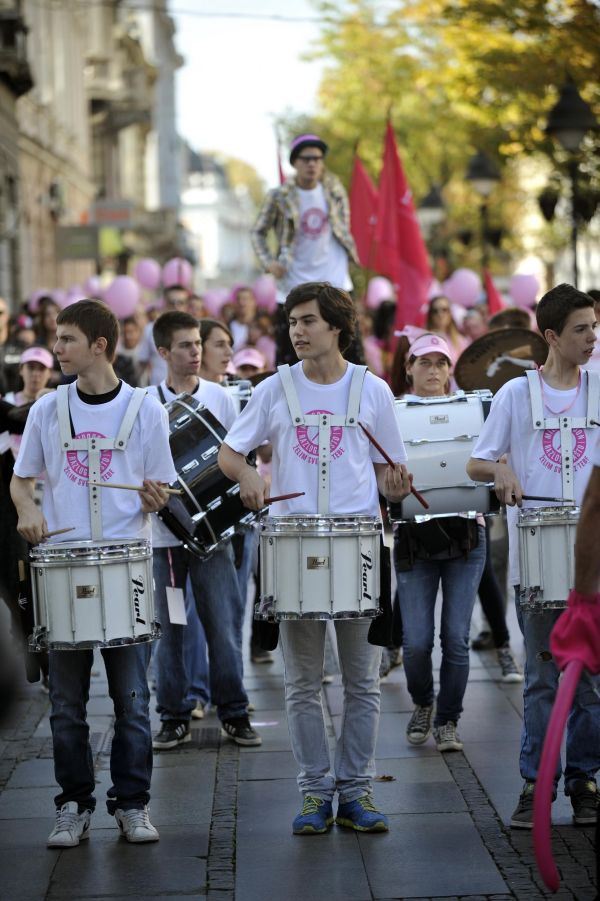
(537, 497)
(59, 532)
(283, 497)
(389, 460)
(131, 487)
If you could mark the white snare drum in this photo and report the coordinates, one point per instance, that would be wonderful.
(546, 556)
(319, 567)
(439, 434)
(92, 594)
(240, 392)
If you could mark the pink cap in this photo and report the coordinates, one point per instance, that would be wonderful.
(302, 141)
(429, 344)
(38, 355)
(249, 356)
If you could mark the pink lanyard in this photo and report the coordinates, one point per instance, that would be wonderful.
(545, 402)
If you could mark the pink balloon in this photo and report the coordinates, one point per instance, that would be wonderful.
(148, 273)
(378, 290)
(34, 301)
(265, 291)
(73, 295)
(93, 286)
(214, 300)
(463, 287)
(122, 296)
(177, 272)
(60, 297)
(524, 289)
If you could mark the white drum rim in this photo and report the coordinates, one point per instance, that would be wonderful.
(90, 551)
(547, 516)
(38, 643)
(322, 524)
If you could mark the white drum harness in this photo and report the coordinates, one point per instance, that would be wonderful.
(94, 446)
(565, 424)
(324, 423)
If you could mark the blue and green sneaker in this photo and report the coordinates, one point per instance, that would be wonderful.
(315, 817)
(362, 816)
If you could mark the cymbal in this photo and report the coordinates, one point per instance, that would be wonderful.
(512, 317)
(499, 356)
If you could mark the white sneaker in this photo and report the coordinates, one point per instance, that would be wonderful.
(446, 737)
(510, 672)
(71, 827)
(135, 825)
(198, 711)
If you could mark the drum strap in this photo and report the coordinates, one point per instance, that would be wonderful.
(94, 446)
(565, 424)
(324, 423)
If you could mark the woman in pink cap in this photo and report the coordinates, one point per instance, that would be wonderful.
(35, 368)
(450, 550)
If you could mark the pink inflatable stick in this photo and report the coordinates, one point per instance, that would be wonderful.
(544, 787)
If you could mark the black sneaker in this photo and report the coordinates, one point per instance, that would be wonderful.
(483, 642)
(584, 801)
(240, 731)
(522, 817)
(172, 733)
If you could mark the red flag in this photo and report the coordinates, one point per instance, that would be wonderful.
(400, 251)
(494, 300)
(279, 166)
(363, 212)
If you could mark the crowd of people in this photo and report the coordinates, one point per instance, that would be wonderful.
(71, 381)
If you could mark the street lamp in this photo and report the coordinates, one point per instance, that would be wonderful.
(569, 121)
(484, 176)
(431, 211)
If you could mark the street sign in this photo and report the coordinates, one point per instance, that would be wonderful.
(77, 242)
(112, 212)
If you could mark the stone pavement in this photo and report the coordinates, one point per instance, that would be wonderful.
(225, 813)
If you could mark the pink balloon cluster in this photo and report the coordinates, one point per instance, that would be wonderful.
(148, 273)
(214, 300)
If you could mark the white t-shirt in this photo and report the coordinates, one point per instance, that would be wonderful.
(535, 453)
(595, 455)
(353, 485)
(317, 256)
(147, 353)
(219, 403)
(240, 331)
(66, 500)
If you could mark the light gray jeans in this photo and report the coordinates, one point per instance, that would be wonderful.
(303, 646)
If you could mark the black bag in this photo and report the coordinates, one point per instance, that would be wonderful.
(380, 630)
(443, 538)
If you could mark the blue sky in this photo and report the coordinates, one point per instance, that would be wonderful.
(241, 72)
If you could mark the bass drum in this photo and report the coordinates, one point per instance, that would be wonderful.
(210, 510)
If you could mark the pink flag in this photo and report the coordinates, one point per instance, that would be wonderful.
(400, 251)
(363, 212)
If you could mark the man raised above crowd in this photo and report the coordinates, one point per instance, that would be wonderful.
(310, 216)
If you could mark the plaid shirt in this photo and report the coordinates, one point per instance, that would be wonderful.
(281, 212)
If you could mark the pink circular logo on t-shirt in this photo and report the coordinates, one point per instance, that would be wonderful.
(551, 445)
(313, 222)
(308, 436)
(78, 460)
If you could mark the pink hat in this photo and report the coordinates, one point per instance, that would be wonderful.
(302, 141)
(38, 355)
(249, 356)
(429, 344)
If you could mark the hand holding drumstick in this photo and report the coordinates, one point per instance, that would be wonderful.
(397, 480)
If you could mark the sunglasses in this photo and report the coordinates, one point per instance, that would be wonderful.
(310, 159)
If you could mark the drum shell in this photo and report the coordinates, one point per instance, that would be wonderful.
(319, 567)
(439, 434)
(240, 393)
(210, 509)
(546, 556)
(89, 594)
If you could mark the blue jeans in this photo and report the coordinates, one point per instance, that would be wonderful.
(417, 591)
(249, 562)
(541, 682)
(303, 647)
(194, 651)
(131, 754)
(215, 589)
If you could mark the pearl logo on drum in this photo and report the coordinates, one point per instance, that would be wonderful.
(138, 592)
(367, 566)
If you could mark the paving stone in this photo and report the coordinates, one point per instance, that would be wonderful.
(399, 863)
(268, 765)
(26, 803)
(113, 868)
(33, 774)
(26, 882)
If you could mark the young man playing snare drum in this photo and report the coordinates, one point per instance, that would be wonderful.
(321, 324)
(548, 462)
(98, 406)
